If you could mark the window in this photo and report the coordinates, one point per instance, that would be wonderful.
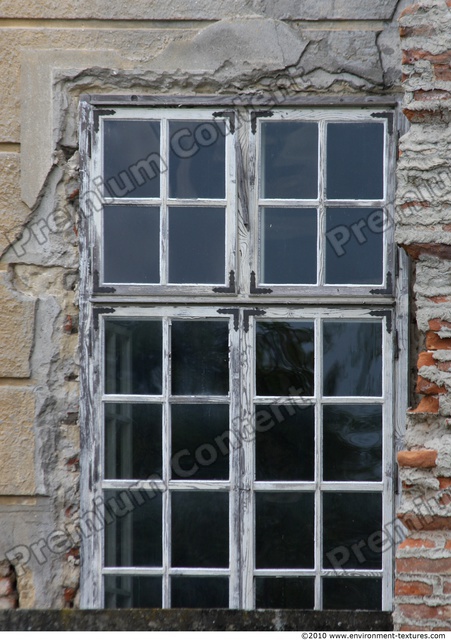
(239, 388)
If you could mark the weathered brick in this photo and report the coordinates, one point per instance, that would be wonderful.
(428, 388)
(423, 612)
(428, 404)
(417, 543)
(426, 359)
(424, 565)
(417, 522)
(413, 588)
(433, 341)
(6, 586)
(420, 458)
(444, 483)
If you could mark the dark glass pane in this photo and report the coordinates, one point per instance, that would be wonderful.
(285, 440)
(197, 245)
(352, 442)
(133, 446)
(133, 356)
(354, 249)
(132, 592)
(200, 529)
(288, 246)
(131, 244)
(197, 159)
(198, 449)
(355, 161)
(352, 526)
(352, 353)
(131, 160)
(199, 593)
(290, 160)
(285, 593)
(133, 531)
(200, 357)
(285, 357)
(284, 530)
(352, 594)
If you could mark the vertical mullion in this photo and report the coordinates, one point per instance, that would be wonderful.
(235, 469)
(164, 214)
(246, 450)
(388, 461)
(166, 426)
(321, 210)
(318, 461)
(231, 197)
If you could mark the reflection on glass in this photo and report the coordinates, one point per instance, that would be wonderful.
(131, 158)
(284, 524)
(352, 442)
(284, 442)
(285, 358)
(131, 248)
(200, 441)
(132, 592)
(355, 161)
(133, 535)
(288, 246)
(197, 245)
(133, 356)
(354, 249)
(352, 593)
(289, 160)
(200, 529)
(133, 446)
(199, 593)
(200, 357)
(285, 593)
(352, 353)
(348, 519)
(196, 159)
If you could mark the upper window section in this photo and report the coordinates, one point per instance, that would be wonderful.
(241, 202)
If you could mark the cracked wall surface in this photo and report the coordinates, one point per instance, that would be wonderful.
(52, 51)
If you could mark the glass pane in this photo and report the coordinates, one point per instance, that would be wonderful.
(200, 357)
(285, 437)
(352, 593)
(198, 449)
(285, 593)
(133, 533)
(133, 356)
(352, 442)
(352, 353)
(131, 159)
(133, 446)
(200, 529)
(354, 251)
(132, 592)
(355, 161)
(196, 159)
(285, 358)
(352, 530)
(197, 245)
(288, 246)
(289, 160)
(284, 525)
(131, 249)
(199, 593)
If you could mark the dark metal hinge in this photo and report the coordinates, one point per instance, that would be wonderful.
(259, 114)
(257, 290)
(96, 312)
(231, 288)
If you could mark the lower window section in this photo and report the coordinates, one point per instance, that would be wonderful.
(246, 459)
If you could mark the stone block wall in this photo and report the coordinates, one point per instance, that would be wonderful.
(423, 586)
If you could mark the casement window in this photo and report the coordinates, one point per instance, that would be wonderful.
(239, 305)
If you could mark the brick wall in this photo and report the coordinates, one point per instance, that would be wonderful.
(423, 586)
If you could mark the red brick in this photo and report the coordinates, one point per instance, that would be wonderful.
(423, 612)
(439, 299)
(423, 30)
(427, 387)
(416, 522)
(412, 588)
(444, 366)
(409, 10)
(6, 586)
(416, 250)
(409, 56)
(444, 483)
(420, 458)
(424, 565)
(431, 94)
(447, 587)
(417, 543)
(428, 404)
(436, 324)
(433, 341)
(426, 359)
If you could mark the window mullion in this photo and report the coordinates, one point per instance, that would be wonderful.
(166, 524)
(322, 210)
(164, 214)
